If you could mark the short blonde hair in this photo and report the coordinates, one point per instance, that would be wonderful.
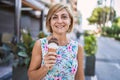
(55, 8)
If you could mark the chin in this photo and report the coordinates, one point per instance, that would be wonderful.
(61, 33)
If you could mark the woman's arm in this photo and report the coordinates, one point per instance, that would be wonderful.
(80, 71)
(36, 71)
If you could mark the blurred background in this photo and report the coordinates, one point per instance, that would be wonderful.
(97, 29)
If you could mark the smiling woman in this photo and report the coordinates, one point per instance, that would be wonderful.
(53, 15)
(66, 63)
(60, 22)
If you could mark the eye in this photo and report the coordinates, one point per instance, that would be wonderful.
(64, 17)
(54, 17)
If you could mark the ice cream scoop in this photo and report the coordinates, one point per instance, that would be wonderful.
(52, 45)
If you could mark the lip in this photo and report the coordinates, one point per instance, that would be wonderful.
(60, 27)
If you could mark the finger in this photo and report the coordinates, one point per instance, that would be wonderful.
(49, 64)
(52, 58)
(52, 61)
(52, 54)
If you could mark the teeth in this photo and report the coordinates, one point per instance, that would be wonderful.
(59, 27)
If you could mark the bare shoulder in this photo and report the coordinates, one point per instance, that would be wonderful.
(80, 51)
(80, 47)
(37, 47)
(37, 43)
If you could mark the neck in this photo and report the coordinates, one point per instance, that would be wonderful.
(60, 36)
(62, 39)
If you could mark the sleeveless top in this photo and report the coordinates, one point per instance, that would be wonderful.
(66, 64)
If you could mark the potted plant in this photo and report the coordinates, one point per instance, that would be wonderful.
(22, 55)
(90, 48)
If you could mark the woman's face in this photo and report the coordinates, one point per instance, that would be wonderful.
(60, 22)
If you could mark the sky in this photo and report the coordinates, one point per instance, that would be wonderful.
(117, 7)
(86, 7)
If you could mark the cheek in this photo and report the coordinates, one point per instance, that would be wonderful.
(52, 23)
(69, 22)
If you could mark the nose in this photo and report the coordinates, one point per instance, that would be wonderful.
(59, 20)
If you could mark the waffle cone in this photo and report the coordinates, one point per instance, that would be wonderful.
(51, 50)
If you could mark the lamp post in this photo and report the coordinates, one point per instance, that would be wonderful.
(17, 33)
(41, 20)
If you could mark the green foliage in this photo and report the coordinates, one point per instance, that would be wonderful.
(100, 15)
(41, 34)
(24, 49)
(114, 30)
(90, 44)
(20, 52)
(5, 54)
(96, 16)
(116, 21)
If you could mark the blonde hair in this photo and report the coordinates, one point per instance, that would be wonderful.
(55, 8)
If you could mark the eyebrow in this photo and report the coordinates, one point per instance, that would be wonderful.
(54, 15)
(61, 14)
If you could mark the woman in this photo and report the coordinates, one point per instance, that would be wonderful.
(67, 62)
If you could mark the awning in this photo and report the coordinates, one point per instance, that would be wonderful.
(34, 4)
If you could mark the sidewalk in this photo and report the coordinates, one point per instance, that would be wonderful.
(91, 77)
(5, 73)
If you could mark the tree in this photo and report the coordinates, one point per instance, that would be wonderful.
(101, 16)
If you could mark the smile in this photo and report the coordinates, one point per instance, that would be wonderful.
(60, 27)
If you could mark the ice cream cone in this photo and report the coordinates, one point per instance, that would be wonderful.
(52, 45)
(51, 50)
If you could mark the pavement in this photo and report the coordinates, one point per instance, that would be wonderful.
(5, 72)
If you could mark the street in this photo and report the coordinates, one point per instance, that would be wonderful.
(108, 59)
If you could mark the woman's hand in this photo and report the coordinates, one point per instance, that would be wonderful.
(50, 60)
